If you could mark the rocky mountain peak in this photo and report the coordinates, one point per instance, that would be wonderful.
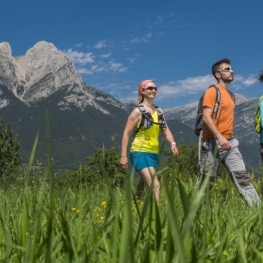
(42, 59)
(239, 99)
(43, 71)
(5, 49)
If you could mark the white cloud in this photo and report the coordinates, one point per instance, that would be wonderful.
(85, 71)
(105, 55)
(194, 85)
(116, 67)
(132, 59)
(101, 67)
(159, 19)
(79, 57)
(98, 68)
(184, 87)
(79, 45)
(149, 35)
(135, 40)
(241, 82)
(100, 44)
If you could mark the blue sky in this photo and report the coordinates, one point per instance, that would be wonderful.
(116, 44)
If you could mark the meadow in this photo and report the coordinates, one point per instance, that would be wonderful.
(92, 215)
(41, 222)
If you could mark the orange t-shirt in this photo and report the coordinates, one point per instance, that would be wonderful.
(226, 119)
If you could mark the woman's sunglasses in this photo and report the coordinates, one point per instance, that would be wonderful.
(151, 88)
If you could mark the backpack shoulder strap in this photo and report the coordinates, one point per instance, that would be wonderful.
(159, 111)
(143, 111)
(144, 117)
(218, 93)
(161, 121)
(141, 108)
(217, 107)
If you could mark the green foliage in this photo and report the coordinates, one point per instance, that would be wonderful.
(186, 162)
(103, 162)
(9, 146)
(108, 225)
(109, 161)
(74, 224)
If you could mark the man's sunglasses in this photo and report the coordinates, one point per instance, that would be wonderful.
(151, 88)
(225, 69)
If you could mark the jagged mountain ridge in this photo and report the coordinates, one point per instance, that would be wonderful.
(81, 117)
(44, 83)
(42, 71)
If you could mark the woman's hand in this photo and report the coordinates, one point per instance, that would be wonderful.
(174, 149)
(124, 162)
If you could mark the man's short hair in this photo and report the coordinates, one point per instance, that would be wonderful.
(260, 76)
(216, 66)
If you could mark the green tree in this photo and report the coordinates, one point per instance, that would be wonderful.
(108, 160)
(9, 146)
(91, 175)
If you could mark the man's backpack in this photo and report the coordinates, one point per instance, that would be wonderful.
(199, 123)
(257, 120)
(147, 120)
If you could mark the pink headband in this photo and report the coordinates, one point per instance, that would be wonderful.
(144, 83)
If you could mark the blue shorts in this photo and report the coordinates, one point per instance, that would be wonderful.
(142, 160)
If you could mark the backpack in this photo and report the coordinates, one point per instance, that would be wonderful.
(257, 120)
(147, 120)
(199, 123)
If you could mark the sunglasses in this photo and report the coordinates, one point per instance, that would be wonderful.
(151, 88)
(225, 69)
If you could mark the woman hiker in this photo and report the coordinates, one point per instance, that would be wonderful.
(146, 121)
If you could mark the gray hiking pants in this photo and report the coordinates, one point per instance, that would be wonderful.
(211, 156)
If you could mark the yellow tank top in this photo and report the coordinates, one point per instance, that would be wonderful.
(146, 139)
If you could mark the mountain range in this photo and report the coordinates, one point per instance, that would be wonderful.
(42, 89)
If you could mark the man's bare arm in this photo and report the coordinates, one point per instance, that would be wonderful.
(207, 113)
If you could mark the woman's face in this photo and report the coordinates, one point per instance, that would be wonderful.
(150, 90)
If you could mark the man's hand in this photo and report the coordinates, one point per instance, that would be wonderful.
(224, 143)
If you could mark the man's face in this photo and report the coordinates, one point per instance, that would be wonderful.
(225, 73)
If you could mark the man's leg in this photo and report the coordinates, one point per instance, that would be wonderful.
(209, 163)
(261, 150)
(234, 163)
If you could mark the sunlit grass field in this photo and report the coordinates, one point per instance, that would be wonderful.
(42, 220)
(43, 223)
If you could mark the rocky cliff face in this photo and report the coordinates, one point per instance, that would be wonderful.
(41, 72)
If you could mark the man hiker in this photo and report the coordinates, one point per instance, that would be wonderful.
(218, 144)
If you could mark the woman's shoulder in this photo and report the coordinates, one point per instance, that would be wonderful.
(136, 112)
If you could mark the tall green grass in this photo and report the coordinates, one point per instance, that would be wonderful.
(38, 224)
(43, 223)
